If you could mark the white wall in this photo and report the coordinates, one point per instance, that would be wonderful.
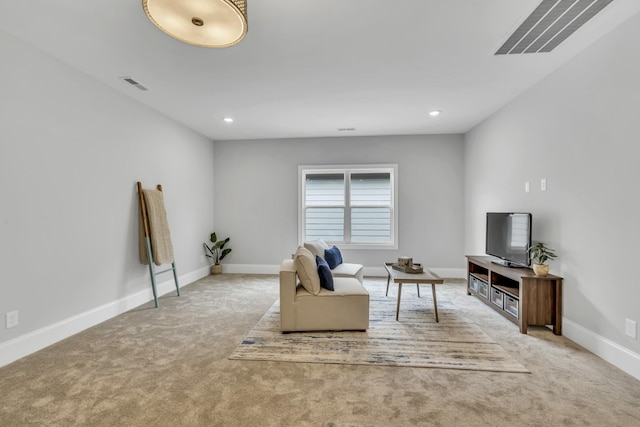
(71, 151)
(257, 197)
(578, 129)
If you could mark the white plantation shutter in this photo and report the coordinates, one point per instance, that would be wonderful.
(325, 224)
(371, 207)
(324, 189)
(324, 200)
(348, 206)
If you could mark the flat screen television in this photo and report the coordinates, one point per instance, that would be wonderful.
(508, 238)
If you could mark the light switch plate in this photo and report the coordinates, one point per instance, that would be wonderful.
(543, 184)
(11, 319)
(631, 328)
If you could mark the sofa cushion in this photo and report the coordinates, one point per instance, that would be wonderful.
(324, 272)
(316, 247)
(307, 270)
(347, 269)
(333, 256)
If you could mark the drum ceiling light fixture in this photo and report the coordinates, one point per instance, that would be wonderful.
(205, 23)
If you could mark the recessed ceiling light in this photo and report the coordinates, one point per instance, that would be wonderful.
(434, 113)
(228, 119)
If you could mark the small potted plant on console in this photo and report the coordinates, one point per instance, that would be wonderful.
(217, 252)
(539, 254)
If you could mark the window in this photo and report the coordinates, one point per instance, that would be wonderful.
(353, 206)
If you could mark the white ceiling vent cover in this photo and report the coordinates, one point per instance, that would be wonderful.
(550, 24)
(134, 83)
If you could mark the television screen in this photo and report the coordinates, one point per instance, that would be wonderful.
(509, 237)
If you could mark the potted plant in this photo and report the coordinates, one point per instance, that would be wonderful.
(217, 252)
(539, 254)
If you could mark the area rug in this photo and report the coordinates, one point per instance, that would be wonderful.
(416, 340)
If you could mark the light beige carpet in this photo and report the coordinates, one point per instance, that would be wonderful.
(169, 366)
(416, 340)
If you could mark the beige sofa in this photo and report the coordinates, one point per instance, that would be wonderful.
(319, 309)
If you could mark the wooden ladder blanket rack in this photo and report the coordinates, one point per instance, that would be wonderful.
(155, 239)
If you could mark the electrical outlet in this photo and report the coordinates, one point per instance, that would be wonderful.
(631, 328)
(543, 184)
(527, 187)
(11, 319)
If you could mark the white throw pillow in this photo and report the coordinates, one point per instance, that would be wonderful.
(316, 247)
(307, 270)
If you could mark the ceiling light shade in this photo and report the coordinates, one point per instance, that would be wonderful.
(205, 23)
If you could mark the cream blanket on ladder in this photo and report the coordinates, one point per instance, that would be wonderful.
(159, 236)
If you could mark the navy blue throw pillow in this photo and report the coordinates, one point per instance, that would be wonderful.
(333, 257)
(326, 278)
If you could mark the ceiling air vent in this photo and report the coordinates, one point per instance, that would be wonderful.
(550, 24)
(134, 83)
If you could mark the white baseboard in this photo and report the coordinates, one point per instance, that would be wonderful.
(250, 269)
(31, 342)
(450, 273)
(612, 352)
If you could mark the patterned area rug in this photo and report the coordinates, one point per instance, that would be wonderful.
(416, 340)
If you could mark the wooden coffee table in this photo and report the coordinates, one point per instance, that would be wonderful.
(401, 277)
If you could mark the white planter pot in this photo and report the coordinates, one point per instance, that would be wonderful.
(541, 269)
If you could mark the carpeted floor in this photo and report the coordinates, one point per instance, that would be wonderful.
(417, 340)
(170, 367)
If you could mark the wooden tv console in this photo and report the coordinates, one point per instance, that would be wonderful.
(516, 293)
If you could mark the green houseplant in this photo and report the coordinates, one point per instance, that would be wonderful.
(539, 254)
(217, 252)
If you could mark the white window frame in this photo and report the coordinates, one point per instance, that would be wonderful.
(392, 169)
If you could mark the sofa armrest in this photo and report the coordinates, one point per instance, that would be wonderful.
(288, 285)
